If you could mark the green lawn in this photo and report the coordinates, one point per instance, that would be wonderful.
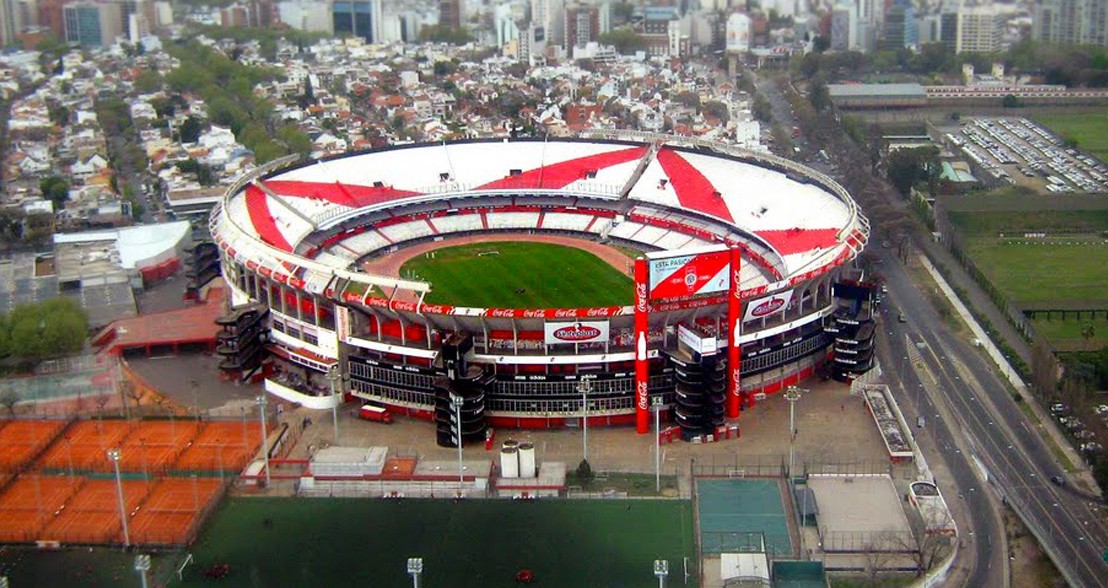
(1090, 130)
(1067, 333)
(1040, 272)
(478, 543)
(520, 275)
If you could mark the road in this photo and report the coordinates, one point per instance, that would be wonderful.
(954, 386)
(974, 424)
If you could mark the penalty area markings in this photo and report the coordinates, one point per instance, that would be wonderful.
(484, 253)
(181, 568)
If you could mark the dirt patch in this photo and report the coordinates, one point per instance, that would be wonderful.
(389, 265)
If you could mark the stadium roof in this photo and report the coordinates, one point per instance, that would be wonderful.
(134, 245)
(799, 215)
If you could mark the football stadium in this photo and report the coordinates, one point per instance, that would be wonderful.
(543, 283)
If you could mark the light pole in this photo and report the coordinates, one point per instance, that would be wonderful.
(661, 570)
(142, 565)
(456, 403)
(114, 456)
(415, 569)
(334, 376)
(584, 388)
(792, 394)
(656, 406)
(265, 450)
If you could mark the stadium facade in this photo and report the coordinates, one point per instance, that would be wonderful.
(745, 284)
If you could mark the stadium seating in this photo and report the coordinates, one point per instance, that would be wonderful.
(513, 220)
(458, 223)
(406, 231)
(560, 221)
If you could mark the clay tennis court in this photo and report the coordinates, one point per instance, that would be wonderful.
(21, 441)
(92, 515)
(220, 447)
(173, 510)
(84, 446)
(154, 446)
(29, 503)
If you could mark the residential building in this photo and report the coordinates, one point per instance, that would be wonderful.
(92, 24)
(549, 16)
(900, 26)
(582, 26)
(1082, 22)
(979, 30)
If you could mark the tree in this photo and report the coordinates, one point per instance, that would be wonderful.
(147, 82)
(821, 44)
(906, 167)
(584, 470)
(625, 40)
(54, 189)
(1010, 101)
(819, 95)
(687, 98)
(9, 398)
(1087, 333)
(59, 114)
(718, 110)
(190, 130)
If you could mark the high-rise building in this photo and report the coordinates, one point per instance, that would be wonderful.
(548, 15)
(979, 30)
(900, 26)
(450, 14)
(844, 28)
(7, 22)
(1082, 22)
(360, 18)
(92, 24)
(582, 26)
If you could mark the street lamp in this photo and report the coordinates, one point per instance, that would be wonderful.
(656, 406)
(261, 401)
(334, 376)
(792, 394)
(661, 570)
(142, 565)
(415, 569)
(456, 402)
(584, 388)
(114, 456)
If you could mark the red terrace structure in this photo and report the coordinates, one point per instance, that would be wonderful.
(165, 331)
(742, 271)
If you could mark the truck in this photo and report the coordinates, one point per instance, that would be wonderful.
(376, 414)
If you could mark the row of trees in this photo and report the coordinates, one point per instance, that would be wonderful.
(1071, 65)
(55, 327)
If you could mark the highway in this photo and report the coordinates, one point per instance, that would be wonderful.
(956, 388)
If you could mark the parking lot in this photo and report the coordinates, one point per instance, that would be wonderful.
(1021, 151)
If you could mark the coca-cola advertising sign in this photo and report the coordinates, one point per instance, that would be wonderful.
(768, 305)
(576, 332)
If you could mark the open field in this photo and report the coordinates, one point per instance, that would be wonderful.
(1065, 267)
(520, 275)
(480, 543)
(1089, 130)
(1066, 334)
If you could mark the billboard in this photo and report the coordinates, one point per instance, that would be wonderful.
(685, 273)
(702, 344)
(576, 332)
(767, 305)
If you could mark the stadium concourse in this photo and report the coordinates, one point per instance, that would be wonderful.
(742, 282)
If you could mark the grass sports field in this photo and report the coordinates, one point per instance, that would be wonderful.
(1059, 268)
(1063, 269)
(520, 275)
(1090, 130)
(472, 543)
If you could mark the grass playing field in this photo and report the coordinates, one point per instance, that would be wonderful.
(478, 543)
(520, 275)
(1090, 130)
(1062, 268)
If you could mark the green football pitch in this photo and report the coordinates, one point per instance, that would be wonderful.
(278, 542)
(520, 275)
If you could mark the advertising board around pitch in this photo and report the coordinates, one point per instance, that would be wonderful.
(686, 273)
(575, 332)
